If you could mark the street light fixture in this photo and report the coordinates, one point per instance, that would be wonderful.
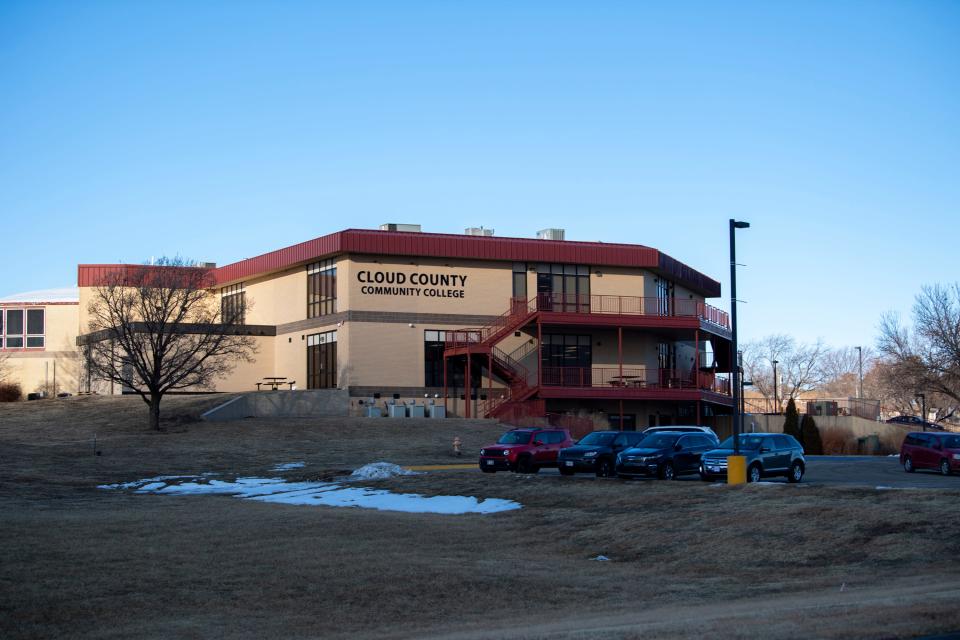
(737, 415)
(776, 400)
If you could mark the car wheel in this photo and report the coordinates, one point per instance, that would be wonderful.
(754, 473)
(945, 467)
(667, 472)
(523, 464)
(796, 472)
(908, 465)
(604, 468)
(566, 472)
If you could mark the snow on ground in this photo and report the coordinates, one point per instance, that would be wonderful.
(380, 471)
(330, 494)
(287, 466)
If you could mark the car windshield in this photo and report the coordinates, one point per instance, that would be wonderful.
(515, 437)
(746, 442)
(598, 439)
(951, 442)
(658, 441)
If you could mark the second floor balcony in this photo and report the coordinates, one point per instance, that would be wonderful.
(634, 380)
(630, 306)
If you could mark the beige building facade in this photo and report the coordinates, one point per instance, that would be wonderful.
(528, 326)
(38, 334)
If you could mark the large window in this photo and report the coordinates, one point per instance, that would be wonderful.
(433, 345)
(664, 296)
(520, 280)
(322, 360)
(563, 287)
(567, 359)
(233, 304)
(21, 328)
(321, 288)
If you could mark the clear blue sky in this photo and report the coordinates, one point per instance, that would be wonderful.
(221, 130)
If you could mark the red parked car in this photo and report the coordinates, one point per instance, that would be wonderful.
(926, 450)
(524, 450)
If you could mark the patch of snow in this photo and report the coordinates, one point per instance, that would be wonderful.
(882, 487)
(380, 471)
(139, 483)
(275, 490)
(601, 559)
(287, 466)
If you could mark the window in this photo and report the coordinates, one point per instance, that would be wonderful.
(433, 345)
(664, 296)
(520, 280)
(567, 360)
(232, 304)
(781, 442)
(322, 360)
(13, 329)
(563, 287)
(321, 288)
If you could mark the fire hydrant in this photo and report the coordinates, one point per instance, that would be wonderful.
(457, 446)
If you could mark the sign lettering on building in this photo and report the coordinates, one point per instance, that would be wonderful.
(416, 284)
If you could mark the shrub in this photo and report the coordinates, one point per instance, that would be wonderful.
(837, 441)
(791, 425)
(812, 444)
(10, 392)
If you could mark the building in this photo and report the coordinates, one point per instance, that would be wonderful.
(529, 326)
(38, 334)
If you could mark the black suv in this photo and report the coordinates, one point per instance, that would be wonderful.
(665, 454)
(767, 454)
(595, 452)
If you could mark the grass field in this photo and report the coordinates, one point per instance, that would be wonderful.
(686, 558)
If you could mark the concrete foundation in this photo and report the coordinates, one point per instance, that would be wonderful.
(282, 404)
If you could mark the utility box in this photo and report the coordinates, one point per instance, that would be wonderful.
(398, 411)
(416, 411)
(437, 411)
(372, 411)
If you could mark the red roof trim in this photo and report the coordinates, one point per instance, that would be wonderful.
(440, 245)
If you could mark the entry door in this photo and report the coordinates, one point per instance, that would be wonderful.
(629, 421)
(322, 360)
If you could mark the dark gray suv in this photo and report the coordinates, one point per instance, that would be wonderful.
(767, 454)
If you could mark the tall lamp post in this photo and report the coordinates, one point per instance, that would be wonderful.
(737, 416)
(776, 400)
(860, 367)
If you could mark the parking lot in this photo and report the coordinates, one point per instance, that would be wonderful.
(855, 471)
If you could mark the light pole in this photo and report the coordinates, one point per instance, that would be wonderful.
(737, 416)
(860, 366)
(776, 403)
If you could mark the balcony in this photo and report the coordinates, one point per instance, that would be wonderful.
(631, 306)
(632, 381)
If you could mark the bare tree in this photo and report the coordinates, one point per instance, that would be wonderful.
(925, 358)
(840, 370)
(798, 366)
(160, 328)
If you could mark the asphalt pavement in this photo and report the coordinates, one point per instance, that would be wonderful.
(855, 471)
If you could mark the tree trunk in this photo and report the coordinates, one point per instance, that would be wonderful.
(155, 411)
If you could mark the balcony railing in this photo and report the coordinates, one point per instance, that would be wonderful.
(632, 378)
(631, 306)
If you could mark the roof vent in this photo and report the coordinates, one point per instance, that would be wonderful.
(550, 234)
(478, 231)
(393, 226)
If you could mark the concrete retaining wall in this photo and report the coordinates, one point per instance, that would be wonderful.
(282, 404)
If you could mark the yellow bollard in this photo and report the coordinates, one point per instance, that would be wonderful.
(736, 469)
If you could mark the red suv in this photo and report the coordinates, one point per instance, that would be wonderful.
(940, 451)
(524, 450)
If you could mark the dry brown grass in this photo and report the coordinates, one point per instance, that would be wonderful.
(80, 562)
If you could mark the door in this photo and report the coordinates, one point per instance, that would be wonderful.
(783, 448)
(687, 457)
(322, 360)
(629, 422)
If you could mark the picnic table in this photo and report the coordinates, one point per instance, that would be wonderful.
(621, 381)
(274, 382)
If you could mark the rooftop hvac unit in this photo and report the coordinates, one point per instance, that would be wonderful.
(550, 234)
(393, 226)
(478, 231)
